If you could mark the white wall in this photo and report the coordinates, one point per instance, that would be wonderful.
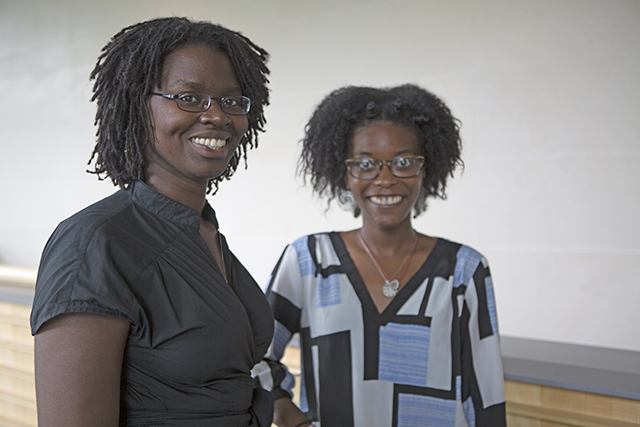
(548, 92)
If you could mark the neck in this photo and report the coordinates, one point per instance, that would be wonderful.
(391, 240)
(189, 194)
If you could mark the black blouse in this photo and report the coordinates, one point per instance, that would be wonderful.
(194, 338)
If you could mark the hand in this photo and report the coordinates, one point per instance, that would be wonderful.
(287, 414)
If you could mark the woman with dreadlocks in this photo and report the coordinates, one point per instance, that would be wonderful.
(396, 328)
(142, 315)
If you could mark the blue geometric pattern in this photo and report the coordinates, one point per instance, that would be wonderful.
(469, 412)
(303, 405)
(466, 264)
(404, 354)
(425, 411)
(467, 407)
(396, 366)
(491, 304)
(281, 336)
(288, 382)
(307, 267)
(329, 291)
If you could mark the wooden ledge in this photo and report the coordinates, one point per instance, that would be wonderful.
(563, 417)
(18, 276)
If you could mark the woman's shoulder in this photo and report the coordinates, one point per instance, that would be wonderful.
(119, 219)
(86, 221)
(304, 241)
(109, 228)
(457, 249)
(459, 261)
(309, 249)
(100, 210)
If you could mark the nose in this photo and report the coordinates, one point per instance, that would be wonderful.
(385, 178)
(215, 115)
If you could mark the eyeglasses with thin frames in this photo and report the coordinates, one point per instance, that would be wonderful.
(197, 102)
(400, 167)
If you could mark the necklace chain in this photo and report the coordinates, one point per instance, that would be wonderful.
(391, 285)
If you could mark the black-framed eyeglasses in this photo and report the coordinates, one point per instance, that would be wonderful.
(197, 102)
(400, 167)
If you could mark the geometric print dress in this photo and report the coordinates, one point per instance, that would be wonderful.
(430, 359)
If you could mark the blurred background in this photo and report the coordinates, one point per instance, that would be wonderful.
(548, 93)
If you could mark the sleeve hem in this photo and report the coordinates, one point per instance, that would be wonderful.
(78, 308)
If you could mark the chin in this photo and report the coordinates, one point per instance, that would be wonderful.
(387, 222)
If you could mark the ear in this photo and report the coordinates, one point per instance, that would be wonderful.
(346, 180)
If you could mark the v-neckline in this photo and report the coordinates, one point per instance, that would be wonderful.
(355, 278)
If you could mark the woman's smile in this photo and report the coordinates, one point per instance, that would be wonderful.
(212, 143)
(385, 200)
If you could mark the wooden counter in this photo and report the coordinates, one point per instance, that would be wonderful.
(552, 384)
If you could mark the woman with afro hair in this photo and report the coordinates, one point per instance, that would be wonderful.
(396, 328)
(142, 315)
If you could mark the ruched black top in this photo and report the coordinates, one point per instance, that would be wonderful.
(194, 338)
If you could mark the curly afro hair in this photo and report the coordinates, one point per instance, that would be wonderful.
(339, 115)
(127, 72)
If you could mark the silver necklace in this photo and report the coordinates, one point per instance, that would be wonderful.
(391, 284)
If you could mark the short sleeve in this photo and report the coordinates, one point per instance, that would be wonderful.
(84, 269)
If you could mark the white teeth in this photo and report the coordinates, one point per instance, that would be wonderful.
(379, 200)
(210, 142)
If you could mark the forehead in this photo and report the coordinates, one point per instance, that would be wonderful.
(383, 140)
(198, 67)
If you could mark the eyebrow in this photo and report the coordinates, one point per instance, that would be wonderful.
(398, 154)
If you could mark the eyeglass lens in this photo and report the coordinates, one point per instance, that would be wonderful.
(200, 101)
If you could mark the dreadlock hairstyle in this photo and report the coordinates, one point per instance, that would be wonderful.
(331, 127)
(129, 69)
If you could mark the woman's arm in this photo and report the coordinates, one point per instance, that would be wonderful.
(78, 361)
(287, 414)
(285, 294)
(482, 376)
